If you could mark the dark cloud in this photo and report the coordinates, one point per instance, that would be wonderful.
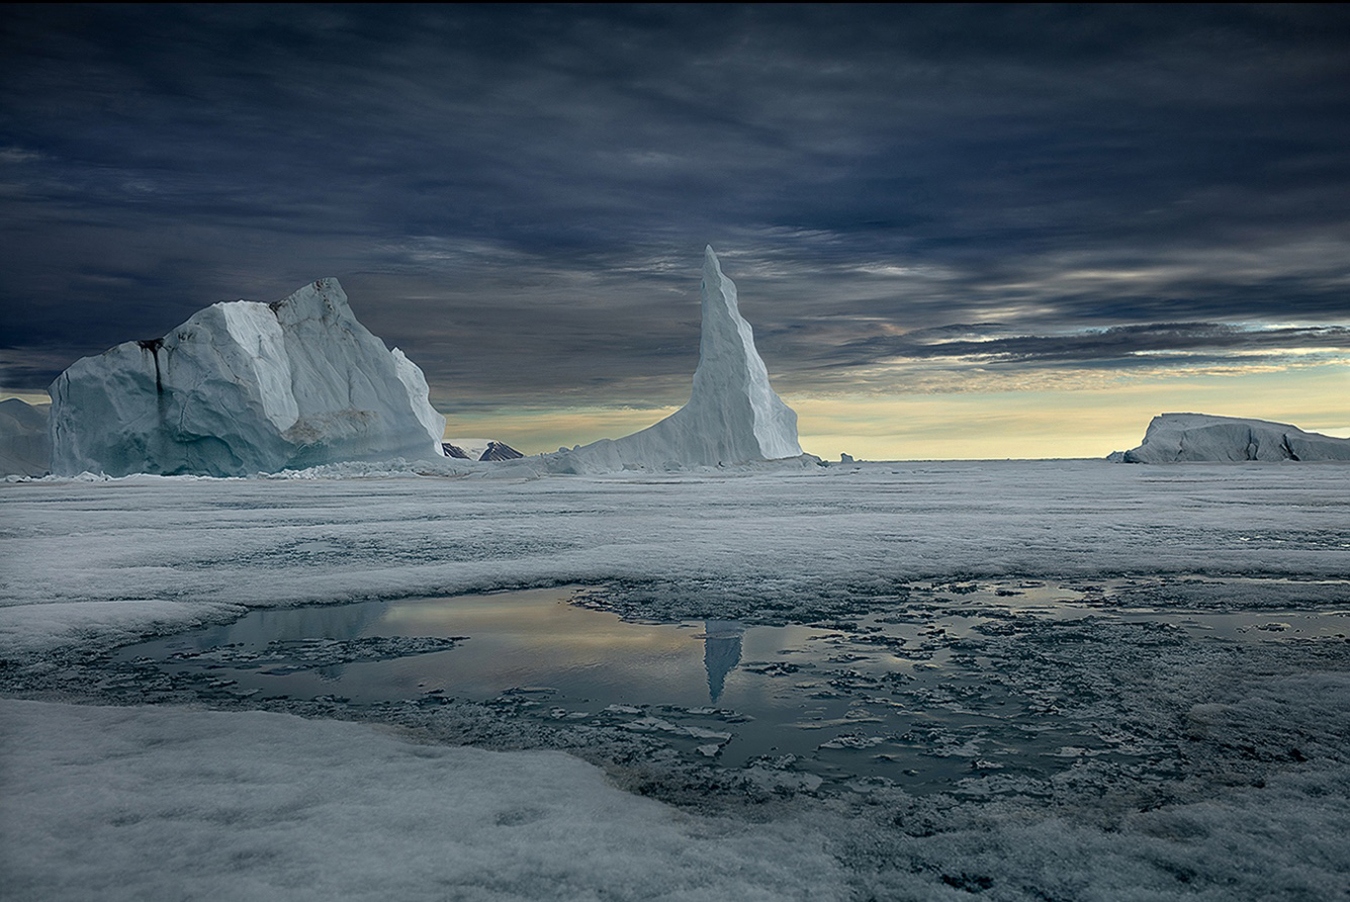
(1115, 346)
(519, 196)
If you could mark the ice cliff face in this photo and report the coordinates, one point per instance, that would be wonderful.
(1197, 436)
(245, 387)
(732, 415)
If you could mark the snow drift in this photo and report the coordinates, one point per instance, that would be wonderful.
(732, 415)
(140, 803)
(245, 387)
(1197, 436)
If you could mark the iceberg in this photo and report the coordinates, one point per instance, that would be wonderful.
(481, 449)
(25, 449)
(732, 416)
(244, 387)
(1202, 437)
(500, 451)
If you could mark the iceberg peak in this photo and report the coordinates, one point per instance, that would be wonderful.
(729, 362)
(732, 416)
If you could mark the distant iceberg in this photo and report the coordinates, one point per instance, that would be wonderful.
(25, 448)
(244, 387)
(733, 415)
(479, 449)
(1201, 437)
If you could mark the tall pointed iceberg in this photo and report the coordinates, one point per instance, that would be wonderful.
(245, 387)
(733, 415)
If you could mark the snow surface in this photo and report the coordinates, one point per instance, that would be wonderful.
(714, 547)
(244, 387)
(732, 414)
(25, 448)
(135, 802)
(1197, 436)
(141, 803)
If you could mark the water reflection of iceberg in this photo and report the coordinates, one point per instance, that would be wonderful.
(291, 624)
(721, 652)
(261, 629)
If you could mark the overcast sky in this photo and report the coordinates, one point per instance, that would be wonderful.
(932, 213)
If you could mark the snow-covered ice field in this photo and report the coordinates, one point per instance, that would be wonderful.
(1202, 663)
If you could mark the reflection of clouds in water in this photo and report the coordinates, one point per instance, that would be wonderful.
(721, 652)
(259, 628)
(525, 637)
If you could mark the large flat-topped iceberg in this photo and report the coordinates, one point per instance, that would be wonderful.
(245, 387)
(732, 416)
(1197, 436)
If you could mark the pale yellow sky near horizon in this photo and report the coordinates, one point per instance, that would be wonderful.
(1079, 422)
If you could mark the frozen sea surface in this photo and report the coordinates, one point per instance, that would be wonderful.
(1166, 645)
(936, 693)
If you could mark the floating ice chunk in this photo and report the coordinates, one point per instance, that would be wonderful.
(701, 733)
(651, 725)
(853, 742)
